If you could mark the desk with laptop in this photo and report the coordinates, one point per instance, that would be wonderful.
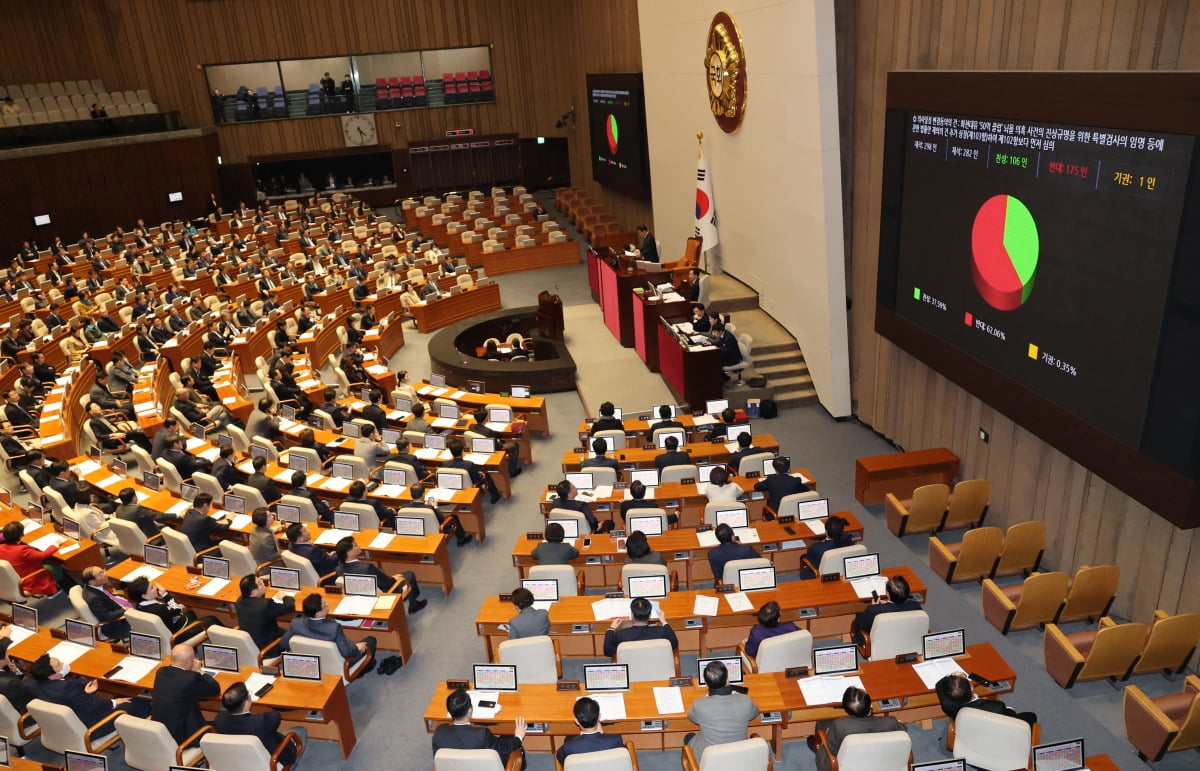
(716, 451)
(1056, 756)
(641, 424)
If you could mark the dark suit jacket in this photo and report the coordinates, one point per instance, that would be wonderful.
(649, 248)
(18, 416)
(607, 424)
(594, 742)
(375, 414)
(224, 472)
(264, 725)
(323, 561)
(88, 707)
(636, 633)
(66, 488)
(866, 617)
(198, 527)
(323, 511)
(146, 519)
(599, 462)
(676, 458)
(776, 486)
(839, 728)
(110, 614)
(17, 689)
(727, 552)
(818, 549)
(473, 737)
(410, 459)
(176, 699)
(256, 616)
(265, 485)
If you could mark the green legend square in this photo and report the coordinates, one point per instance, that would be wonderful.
(916, 293)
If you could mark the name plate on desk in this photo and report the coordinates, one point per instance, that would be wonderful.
(726, 588)
(680, 556)
(770, 547)
(680, 682)
(693, 623)
(613, 595)
(619, 534)
(537, 728)
(456, 685)
(752, 474)
(592, 560)
(791, 672)
(828, 578)
(703, 528)
(567, 685)
(688, 481)
(577, 451)
(534, 536)
(787, 519)
(505, 598)
(906, 658)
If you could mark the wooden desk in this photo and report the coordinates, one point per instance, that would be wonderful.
(601, 563)
(829, 609)
(640, 428)
(694, 375)
(531, 258)
(72, 558)
(647, 312)
(701, 452)
(549, 711)
(902, 472)
(447, 310)
(532, 409)
(616, 293)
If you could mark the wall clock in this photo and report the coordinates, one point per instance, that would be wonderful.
(725, 72)
(359, 130)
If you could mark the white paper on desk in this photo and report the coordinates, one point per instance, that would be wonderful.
(445, 422)
(331, 537)
(333, 483)
(134, 668)
(386, 601)
(388, 491)
(932, 671)
(826, 689)
(428, 453)
(668, 700)
(141, 496)
(864, 586)
(19, 633)
(746, 535)
(87, 467)
(739, 602)
(497, 427)
(353, 605)
(704, 420)
(731, 446)
(628, 496)
(707, 539)
(286, 424)
(612, 705)
(357, 405)
(802, 477)
(255, 682)
(240, 522)
(484, 713)
(602, 491)
(246, 466)
(283, 476)
(228, 400)
(457, 395)
(377, 369)
(381, 541)
(398, 415)
(48, 540)
(209, 454)
(439, 494)
(684, 326)
(110, 480)
(67, 651)
(816, 525)
(52, 439)
(213, 586)
(192, 443)
(425, 390)
(309, 383)
(149, 571)
(71, 546)
(705, 605)
(672, 297)
(478, 458)
(29, 525)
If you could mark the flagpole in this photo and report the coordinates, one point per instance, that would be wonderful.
(699, 155)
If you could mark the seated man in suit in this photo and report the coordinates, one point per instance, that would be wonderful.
(257, 615)
(552, 550)
(264, 421)
(110, 434)
(223, 468)
(300, 490)
(591, 737)
(314, 622)
(745, 449)
(836, 537)
(178, 689)
(723, 715)
(479, 478)
(373, 412)
(664, 418)
(300, 544)
(673, 455)
(357, 493)
(198, 526)
(897, 601)
(778, 485)
(337, 412)
(146, 519)
(510, 448)
(858, 720)
(529, 621)
(235, 717)
(263, 483)
(640, 629)
(403, 455)
(461, 735)
(51, 683)
(454, 527)
(108, 608)
(607, 420)
(369, 448)
(566, 493)
(728, 549)
(956, 693)
(599, 458)
(183, 461)
(348, 553)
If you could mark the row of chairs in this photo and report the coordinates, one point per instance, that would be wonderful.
(748, 753)
(57, 88)
(398, 96)
(85, 101)
(988, 552)
(933, 508)
(1045, 598)
(1117, 651)
(69, 114)
(462, 87)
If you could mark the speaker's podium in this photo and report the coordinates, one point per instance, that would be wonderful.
(550, 316)
(612, 277)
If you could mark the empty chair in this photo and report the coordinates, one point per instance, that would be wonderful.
(924, 513)
(248, 653)
(1156, 726)
(885, 751)
(990, 741)
(1092, 592)
(149, 746)
(1109, 651)
(779, 653)
(130, 538)
(1022, 550)
(971, 559)
(1170, 644)
(678, 473)
(332, 661)
(649, 660)
(570, 583)
(730, 574)
(753, 754)
(447, 759)
(894, 633)
(62, 730)
(1024, 606)
(968, 504)
(232, 752)
(537, 659)
(619, 440)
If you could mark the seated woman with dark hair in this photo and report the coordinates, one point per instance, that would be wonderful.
(27, 561)
(768, 626)
(308, 440)
(638, 551)
(151, 598)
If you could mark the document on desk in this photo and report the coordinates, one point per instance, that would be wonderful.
(109, 481)
(445, 422)
(612, 705)
(30, 525)
(826, 689)
(731, 447)
(478, 458)
(48, 540)
(209, 454)
(389, 491)
(707, 539)
(381, 541)
(438, 494)
(149, 571)
(428, 453)
(815, 525)
(484, 713)
(255, 683)
(213, 586)
(67, 651)
(331, 536)
(134, 668)
(239, 522)
(602, 491)
(705, 605)
(864, 586)
(746, 535)
(802, 477)
(87, 467)
(19, 633)
(739, 602)
(457, 395)
(668, 701)
(932, 671)
(333, 483)
(618, 607)
(628, 496)
(704, 420)
(353, 605)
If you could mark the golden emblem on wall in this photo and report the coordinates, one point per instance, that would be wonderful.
(725, 72)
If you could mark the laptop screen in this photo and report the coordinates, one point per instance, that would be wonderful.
(519, 391)
(410, 526)
(655, 408)
(448, 481)
(660, 438)
(650, 587)
(768, 465)
(360, 585)
(862, 566)
(287, 579)
(818, 508)
(224, 440)
(220, 657)
(85, 761)
(395, 477)
(299, 666)
(188, 492)
(1059, 756)
(570, 527)
(157, 556)
(146, 646)
(287, 411)
(581, 479)
(495, 677)
(733, 432)
(342, 470)
(941, 644)
(716, 406)
(150, 480)
(81, 632)
(4, 752)
(483, 444)
(351, 429)
(25, 617)
(606, 677)
(704, 470)
(287, 513)
(500, 415)
(389, 436)
(831, 661)
(437, 380)
(234, 503)
(402, 404)
(198, 431)
(71, 528)
(652, 525)
(733, 517)
(754, 579)
(434, 441)
(448, 411)
(647, 476)
(297, 462)
(732, 665)
(259, 451)
(215, 567)
(941, 765)
(345, 520)
(542, 589)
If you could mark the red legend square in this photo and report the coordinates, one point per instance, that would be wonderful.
(969, 320)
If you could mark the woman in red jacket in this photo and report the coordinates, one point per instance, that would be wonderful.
(27, 561)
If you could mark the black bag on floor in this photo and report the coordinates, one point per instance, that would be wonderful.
(757, 381)
(768, 408)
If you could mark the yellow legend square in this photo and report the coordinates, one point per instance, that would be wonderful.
(1032, 351)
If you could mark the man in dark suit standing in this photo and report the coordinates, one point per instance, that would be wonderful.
(50, 683)
(257, 615)
(235, 718)
(647, 245)
(858, 720)
(178, 689)
(461, 735)
(107, 607)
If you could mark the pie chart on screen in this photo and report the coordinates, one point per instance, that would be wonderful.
(1004, 252)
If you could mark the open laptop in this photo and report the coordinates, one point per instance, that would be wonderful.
(650, 587)
(606, 677)
(219, 658)
(519, 391)
(287, 513)
(284, 579)
(342, 470)
(733, 665)
(942, 644)
(756, 579)
(81, 632)
(346, 520)
(234, 503)
(1059, 756)
(582, 480)
(652, 525)
(660, 438)
(544, 590)
(448, 481)
(735, 518)
(494, 677)
(300, 666)
(835, 660)
(716, 406)
(647, 476)
(158, 556)
(214, 567)
(570, 528)
(145, 646)
(85, 761)
(412, 526)
(942, 765)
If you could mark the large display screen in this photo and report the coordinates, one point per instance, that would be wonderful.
(1044, 251)
(617, 127)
